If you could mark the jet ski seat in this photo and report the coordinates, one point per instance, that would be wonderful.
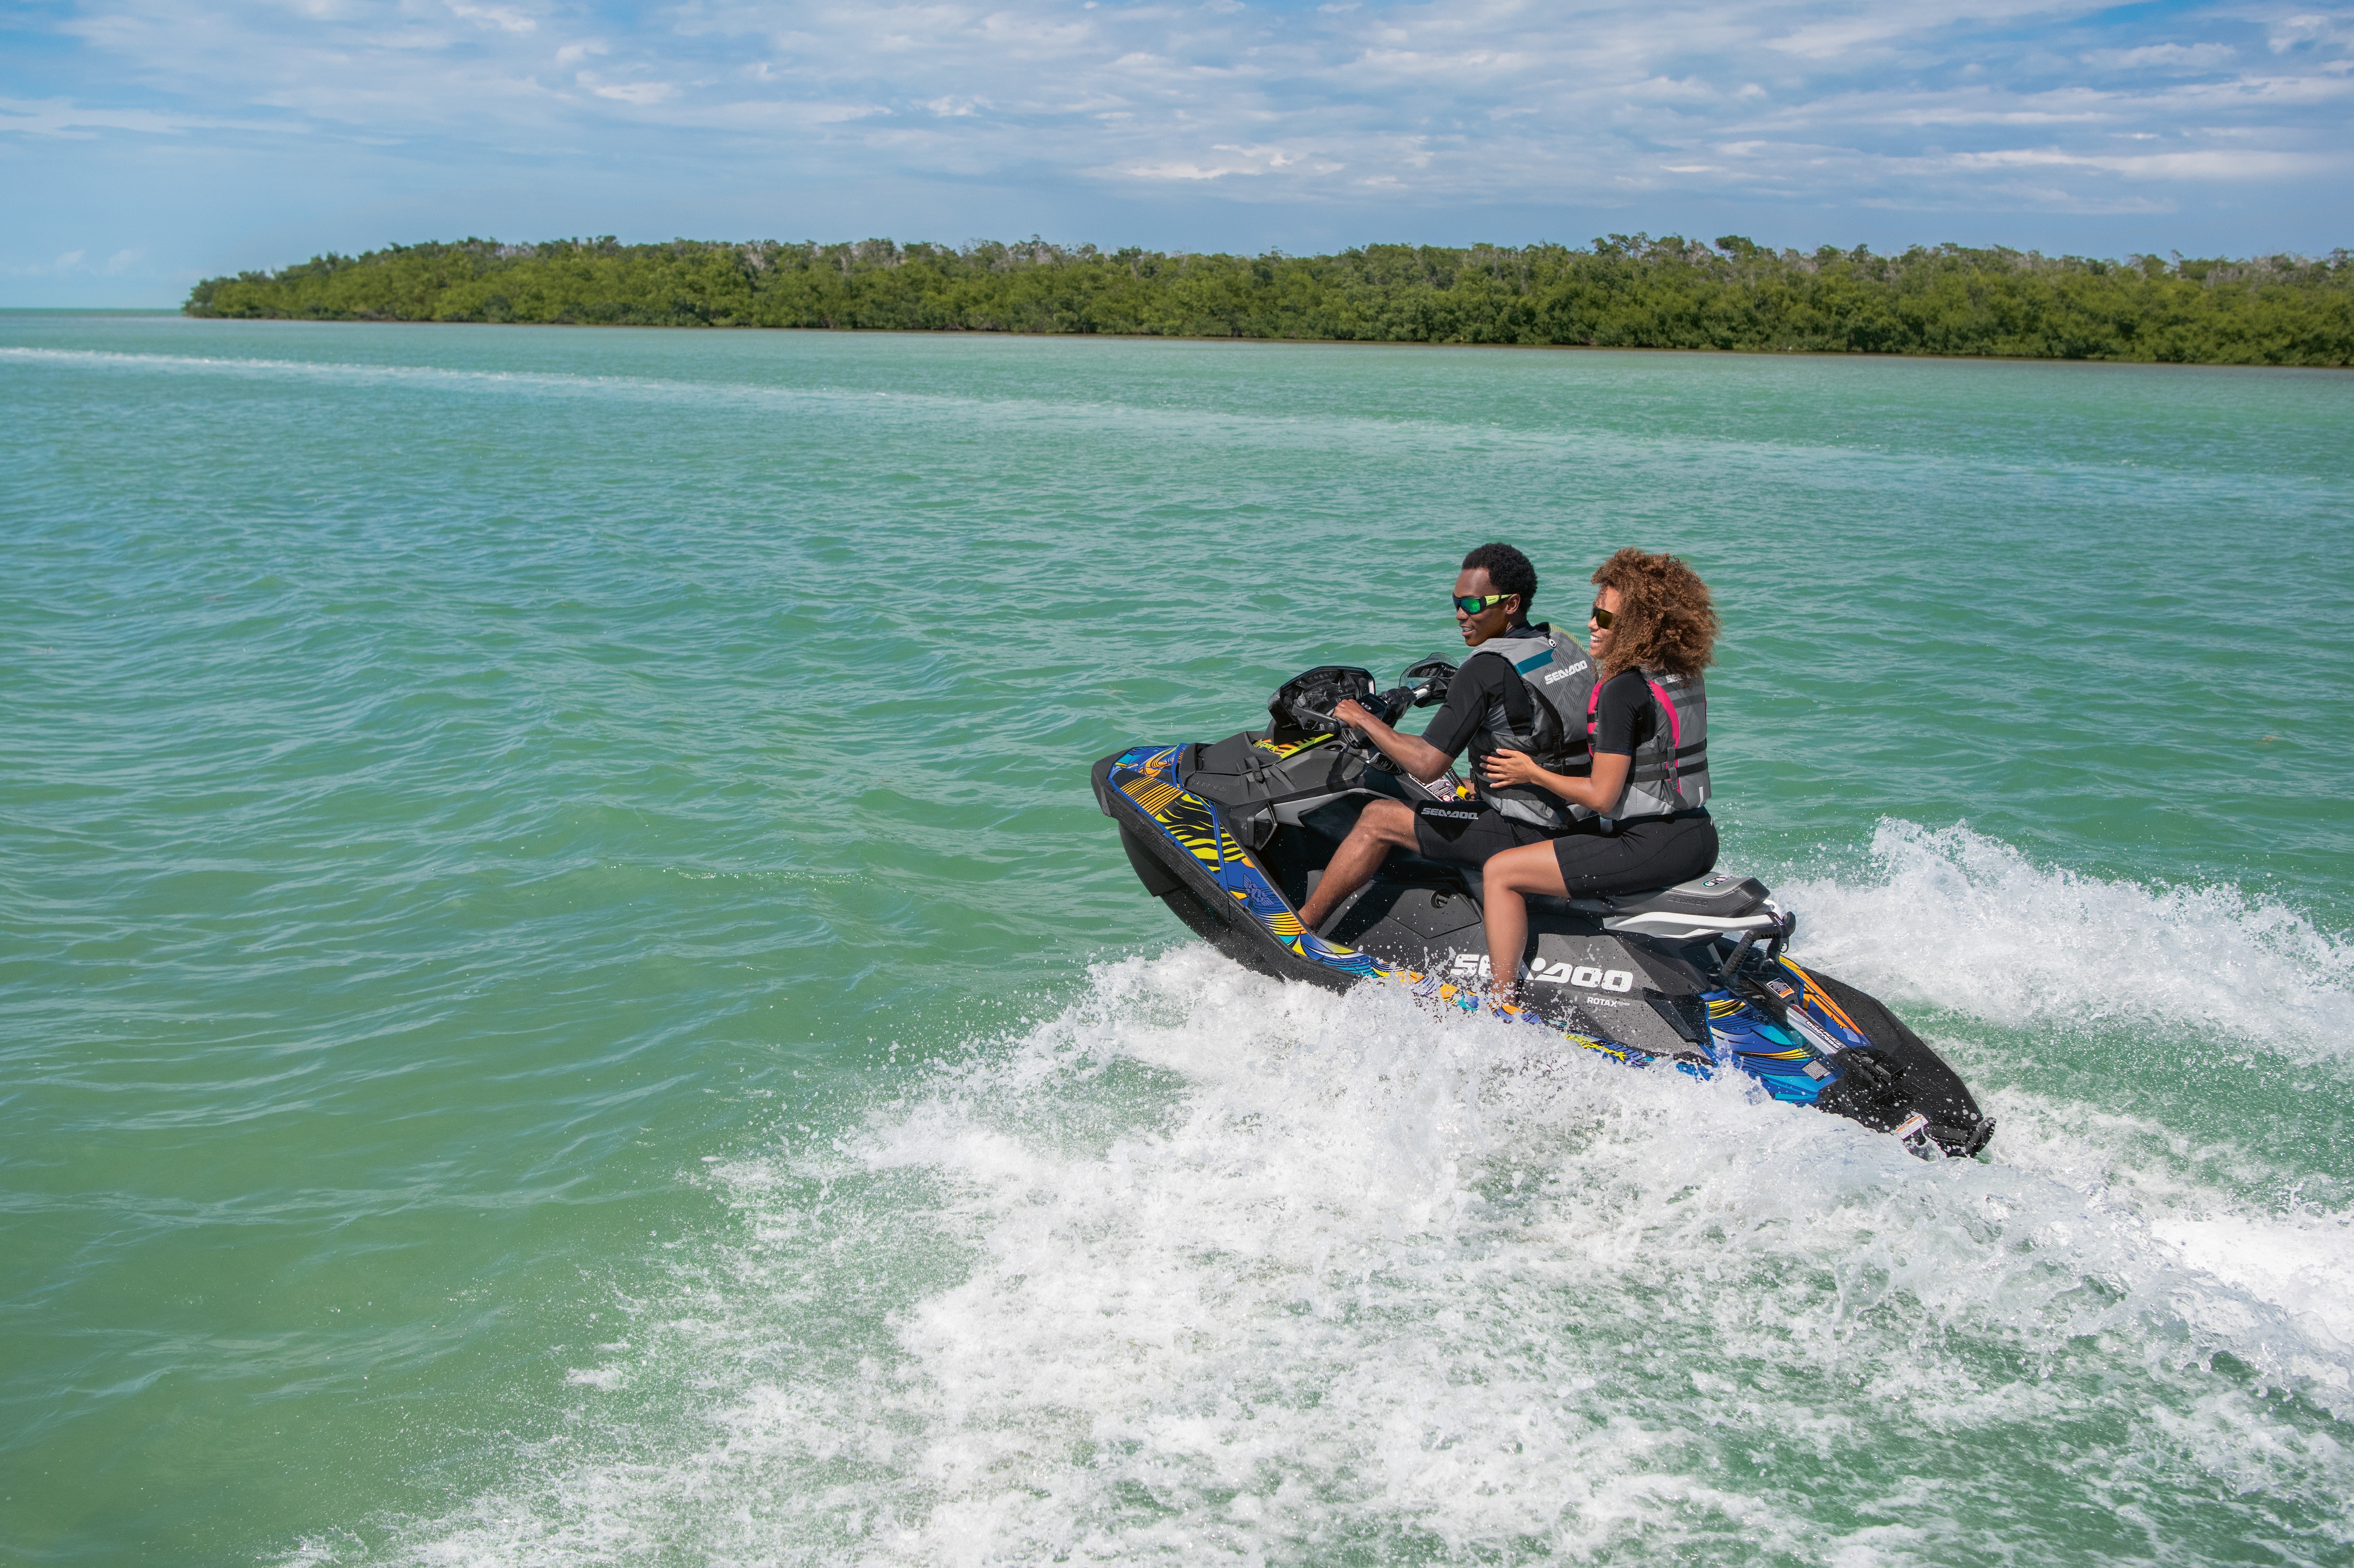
(1718, 896)
(1711, 907)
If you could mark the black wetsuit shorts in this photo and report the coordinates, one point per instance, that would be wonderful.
(1468, 833)
(1652, 852)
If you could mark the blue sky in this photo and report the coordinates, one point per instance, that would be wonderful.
(146, 142)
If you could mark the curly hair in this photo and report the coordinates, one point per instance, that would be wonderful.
(1666, 619)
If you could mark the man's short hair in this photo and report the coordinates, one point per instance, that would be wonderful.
(1507, 570)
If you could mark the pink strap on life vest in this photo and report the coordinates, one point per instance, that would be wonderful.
(1675, 740)
(1675, 724)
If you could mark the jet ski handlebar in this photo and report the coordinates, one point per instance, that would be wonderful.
(1428, 680)
(1306, 701)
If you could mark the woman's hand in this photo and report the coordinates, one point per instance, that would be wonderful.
(1598, 792)
(1501, 768)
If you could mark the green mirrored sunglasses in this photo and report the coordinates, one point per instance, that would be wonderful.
(1472, 603)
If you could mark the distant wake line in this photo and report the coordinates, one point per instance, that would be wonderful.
(1383, 433)
(1320, 432)
(343, 370)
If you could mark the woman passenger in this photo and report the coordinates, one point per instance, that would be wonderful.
(1643, 818)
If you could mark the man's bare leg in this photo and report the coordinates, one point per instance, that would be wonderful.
(1383, 826)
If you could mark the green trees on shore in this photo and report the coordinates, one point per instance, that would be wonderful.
(1625, 291)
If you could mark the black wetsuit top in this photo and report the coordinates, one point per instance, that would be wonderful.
(1477, 690)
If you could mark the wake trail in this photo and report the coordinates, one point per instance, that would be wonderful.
(1209, 1268)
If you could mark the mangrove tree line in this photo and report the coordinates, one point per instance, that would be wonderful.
(1623, 291)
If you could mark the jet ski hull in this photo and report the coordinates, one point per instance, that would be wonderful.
(1679, 980)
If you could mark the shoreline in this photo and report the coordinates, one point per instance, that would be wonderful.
(1355, 342)
(183, 314)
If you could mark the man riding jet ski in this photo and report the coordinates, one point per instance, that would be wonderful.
(1235, 837)
(1522, 688)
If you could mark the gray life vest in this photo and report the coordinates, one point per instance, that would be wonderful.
(1669, 772)
(1544, 713)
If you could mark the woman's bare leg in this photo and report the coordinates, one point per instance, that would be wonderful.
(1507, 881)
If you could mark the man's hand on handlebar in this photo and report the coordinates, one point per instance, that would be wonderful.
(1387, 709)
(1411, 752)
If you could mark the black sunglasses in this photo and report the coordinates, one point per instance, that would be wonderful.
(1472, 603)
(1603, 618)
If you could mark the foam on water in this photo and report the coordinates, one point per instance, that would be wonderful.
(1207, 1268)
(1969, 925)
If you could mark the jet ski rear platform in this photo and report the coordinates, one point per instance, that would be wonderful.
(1233, 835)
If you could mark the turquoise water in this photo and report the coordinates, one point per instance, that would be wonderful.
(567, 1002)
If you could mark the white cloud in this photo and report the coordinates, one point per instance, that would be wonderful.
(1228, 158)
(63, 117)
(2214, 163)
(2169, 56)
(75, 263)
(641, 94)
(505, 17)
(2309, 27)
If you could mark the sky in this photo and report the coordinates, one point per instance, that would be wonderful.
(145, 144)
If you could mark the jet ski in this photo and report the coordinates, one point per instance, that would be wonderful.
(1234, 834)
